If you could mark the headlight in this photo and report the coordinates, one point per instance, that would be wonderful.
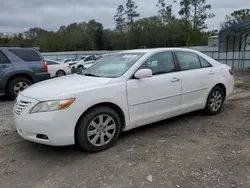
(52, 105)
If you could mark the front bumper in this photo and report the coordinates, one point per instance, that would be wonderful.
(57, 126)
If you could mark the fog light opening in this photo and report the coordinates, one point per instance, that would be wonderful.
(42, 136)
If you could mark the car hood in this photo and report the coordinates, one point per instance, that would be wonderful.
(88, 65)
(58, 87)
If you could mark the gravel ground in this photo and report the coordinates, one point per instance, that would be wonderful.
(188, 151)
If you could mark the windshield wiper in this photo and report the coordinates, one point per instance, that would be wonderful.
(89, 74)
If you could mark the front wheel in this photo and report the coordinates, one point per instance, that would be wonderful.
(17, 85)
(98, 130)
(215, 101)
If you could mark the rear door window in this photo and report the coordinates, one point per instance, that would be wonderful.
(89, 58)
(26, 54)
(188, 60)
(51, 63)
(3, 58)
(67, 60)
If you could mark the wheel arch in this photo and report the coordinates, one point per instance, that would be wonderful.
(60, 70)
(18, 75)
(223, 87)
(106, 104)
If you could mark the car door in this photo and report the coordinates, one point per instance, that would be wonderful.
(89, 59)
(151, 99)
(5, 66)
(196, 79)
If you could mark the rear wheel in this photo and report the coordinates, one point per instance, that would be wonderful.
(17, 85)
(80, 68)
(98, 130)
(60, 73)
(215, 101)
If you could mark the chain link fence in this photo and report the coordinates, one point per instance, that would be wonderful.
(235, 60)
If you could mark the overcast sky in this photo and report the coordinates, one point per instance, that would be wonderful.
(20, 15)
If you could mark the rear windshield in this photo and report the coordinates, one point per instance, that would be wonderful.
(26, 54)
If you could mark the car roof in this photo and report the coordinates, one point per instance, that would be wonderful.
(152, 50)
(16, 47)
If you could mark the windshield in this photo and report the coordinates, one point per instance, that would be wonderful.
(114, 65)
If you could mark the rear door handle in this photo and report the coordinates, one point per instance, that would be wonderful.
(211, 73)
(175, 79)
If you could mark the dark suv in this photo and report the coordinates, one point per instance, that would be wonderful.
(19, 68)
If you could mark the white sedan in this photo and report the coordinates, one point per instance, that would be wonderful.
(67, 60)
(121, 92)
(58, 69)
(79, 65)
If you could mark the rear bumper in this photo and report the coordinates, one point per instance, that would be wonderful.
(74, 70)
(2, 84)
(68, 71)
(42, 76)
(229, 86)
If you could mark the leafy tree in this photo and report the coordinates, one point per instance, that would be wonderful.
(185, 9)
(165, 12)
(236, 17)
(120, 19)
(161, 10)
(131, 13)
(160, 30)
(196, 11)
(32, 33)
(95, 30)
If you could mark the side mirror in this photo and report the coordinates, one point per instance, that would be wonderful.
(143, 73)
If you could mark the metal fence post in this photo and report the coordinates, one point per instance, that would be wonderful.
(227, 49)
(233, 51)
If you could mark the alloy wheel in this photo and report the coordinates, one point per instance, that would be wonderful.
(216, 100)
(20, 86)
(101, 130)
(60, 73)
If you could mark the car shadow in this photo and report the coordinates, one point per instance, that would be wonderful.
(53, 156)
(159, 128)
(5, 98)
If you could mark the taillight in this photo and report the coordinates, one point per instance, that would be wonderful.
(231, 71)
(45, 66)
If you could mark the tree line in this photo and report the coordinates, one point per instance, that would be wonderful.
(165, 29)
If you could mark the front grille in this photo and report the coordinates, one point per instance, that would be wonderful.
(20, 106)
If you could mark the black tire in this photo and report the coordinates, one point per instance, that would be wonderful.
(208, 108)
(10, 86)
(60, 73)
(80, 68)
(81, 138)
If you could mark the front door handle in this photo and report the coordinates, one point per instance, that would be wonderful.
(175, 79)
(4, 66)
